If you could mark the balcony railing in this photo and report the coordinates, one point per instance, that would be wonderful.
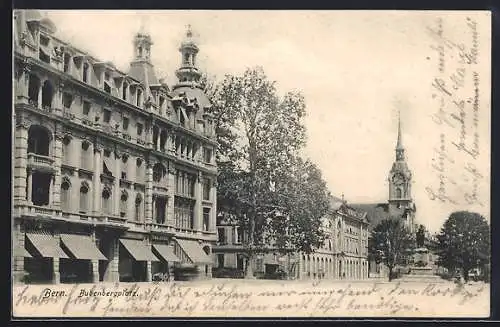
(40, 162)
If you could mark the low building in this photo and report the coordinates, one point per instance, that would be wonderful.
(344, 254)
(114, 173)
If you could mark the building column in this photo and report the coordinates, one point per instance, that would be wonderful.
(97, 180)
(94, 270)
(148, 213)
(56, 186)
(116, 191)
(21, 161)
(198, 208)
(23, 85)
(171, 142)
(30, 186)
(112, 272)
(213, 212)
(171, 196)
(57, 101)
(18, 259)
(56, 277)
(39, 99)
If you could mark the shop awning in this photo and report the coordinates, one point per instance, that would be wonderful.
(194, 252)
(166, 252)
(82, 247)
(138, 250)
(47, 245)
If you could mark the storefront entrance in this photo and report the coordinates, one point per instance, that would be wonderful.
(75, 271)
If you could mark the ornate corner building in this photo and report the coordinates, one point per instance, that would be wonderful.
(114, 173)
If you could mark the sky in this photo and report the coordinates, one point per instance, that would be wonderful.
(357, 70)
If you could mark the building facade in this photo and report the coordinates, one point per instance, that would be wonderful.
(114, 172)
(344, 254)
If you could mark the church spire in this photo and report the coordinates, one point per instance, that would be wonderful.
(399, 145)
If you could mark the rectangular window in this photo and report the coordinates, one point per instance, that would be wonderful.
(206, 190)
(206, 219)
(124, 175)
(67, 100)
(238, 235)
(106, 115)
(220, 260)
(86, 108)
(221, 232)
(139, 129)
(125, 123)
(207, 155)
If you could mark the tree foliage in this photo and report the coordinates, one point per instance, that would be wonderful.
(262, 179)
(464, 242)
(390, 243)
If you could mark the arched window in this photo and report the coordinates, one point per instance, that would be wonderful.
(106, 201)
(123, 204)
(33, 89)
(398, 193)
(65, 195)
(138, 207)
(39, 140)
(158, 172)
(86, 156)
(47, 94)
(84, 198)
(139, 169)
(66, 149)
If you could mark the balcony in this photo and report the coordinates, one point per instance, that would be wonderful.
(160, 228)
(41, 163)
(160, 188)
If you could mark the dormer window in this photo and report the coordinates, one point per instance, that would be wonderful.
(85, 72)
(124, 91)
(67, 59)
(139, 97)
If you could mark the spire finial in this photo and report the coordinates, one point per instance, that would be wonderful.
(143, 26)
(189, 32)
(399, 144)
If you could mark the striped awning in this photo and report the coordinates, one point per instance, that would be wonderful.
(166, 252)
(82, 247)
(138, 250)
(194, 252)
(47, 245)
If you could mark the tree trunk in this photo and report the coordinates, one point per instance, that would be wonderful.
(465, 272)
(249, 271)
(390, 273)
(250, 257)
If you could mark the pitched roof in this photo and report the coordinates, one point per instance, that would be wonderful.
(375, 212)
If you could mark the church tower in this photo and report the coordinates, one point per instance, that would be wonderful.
(400, 179)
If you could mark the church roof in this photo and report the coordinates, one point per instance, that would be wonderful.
(375, 212)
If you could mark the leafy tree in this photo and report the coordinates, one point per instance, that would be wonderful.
(260, 135)
(464, 242)
(389, 243)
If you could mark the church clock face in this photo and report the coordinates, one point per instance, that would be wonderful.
(398, 179)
